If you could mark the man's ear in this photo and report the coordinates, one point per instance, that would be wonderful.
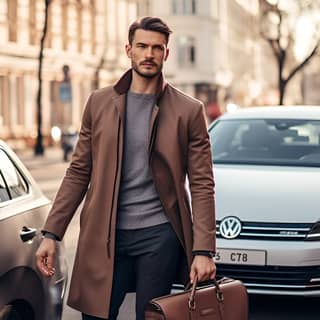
(128, 50)
(166, 54)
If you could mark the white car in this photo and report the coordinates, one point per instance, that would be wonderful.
(267, 173)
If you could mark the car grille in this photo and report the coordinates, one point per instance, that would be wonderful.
(289, 278)
(272, 231)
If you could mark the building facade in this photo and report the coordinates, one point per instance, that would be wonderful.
(214, 47)
(216, 54)
(84, 49)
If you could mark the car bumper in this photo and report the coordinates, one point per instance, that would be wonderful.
(291, 267)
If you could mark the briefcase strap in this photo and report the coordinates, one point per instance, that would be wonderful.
(219, 295)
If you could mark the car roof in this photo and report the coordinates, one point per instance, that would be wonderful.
(278, 112)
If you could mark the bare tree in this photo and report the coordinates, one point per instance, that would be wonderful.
(39, 149)
(278, 28)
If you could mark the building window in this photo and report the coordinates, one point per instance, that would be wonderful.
(48, 39)
(4, 102)
(20, 100)
(215, 9)
(174, 7)
(79, 25)
(64, 24)
(184, 7)
(193, 6)
(93, 26)
(32, 22)
(12, 19)
(186, 51)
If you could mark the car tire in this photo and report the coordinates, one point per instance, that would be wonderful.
(15, 312)
(8, 312)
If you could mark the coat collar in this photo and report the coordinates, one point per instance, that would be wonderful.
(123, 85)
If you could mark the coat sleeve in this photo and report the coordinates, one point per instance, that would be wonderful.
(200, 175)
(75, 182)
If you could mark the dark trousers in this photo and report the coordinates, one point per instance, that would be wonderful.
(145, 260)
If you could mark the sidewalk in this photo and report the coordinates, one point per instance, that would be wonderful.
(51, 155)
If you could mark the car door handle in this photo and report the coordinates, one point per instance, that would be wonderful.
(27, 234)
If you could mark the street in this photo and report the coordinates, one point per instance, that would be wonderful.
(48, 172)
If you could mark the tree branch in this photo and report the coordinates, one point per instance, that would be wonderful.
(302, 64)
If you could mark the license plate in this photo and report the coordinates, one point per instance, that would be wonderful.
(244, 257)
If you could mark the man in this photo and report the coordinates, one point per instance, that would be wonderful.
(138, 141)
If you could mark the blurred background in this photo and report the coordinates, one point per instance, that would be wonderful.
(227, 53)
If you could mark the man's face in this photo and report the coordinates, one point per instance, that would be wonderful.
(147, 52)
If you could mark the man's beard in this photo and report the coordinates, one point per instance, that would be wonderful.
(135, 67)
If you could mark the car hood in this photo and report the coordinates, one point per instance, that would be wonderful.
(267, 193)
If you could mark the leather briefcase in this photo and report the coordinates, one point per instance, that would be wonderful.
(226, 299)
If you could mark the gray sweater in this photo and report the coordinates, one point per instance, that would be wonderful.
(139, 205)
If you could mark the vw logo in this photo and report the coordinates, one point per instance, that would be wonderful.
(230, 227)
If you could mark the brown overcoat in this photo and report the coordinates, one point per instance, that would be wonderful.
(178, 147)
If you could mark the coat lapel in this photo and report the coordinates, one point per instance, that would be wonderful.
(120, 105)
(153, 128)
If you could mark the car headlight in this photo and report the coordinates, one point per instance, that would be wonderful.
(314, 233)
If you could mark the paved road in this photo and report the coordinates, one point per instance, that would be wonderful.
(48, 172)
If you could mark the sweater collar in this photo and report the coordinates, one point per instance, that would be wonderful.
(123, 85)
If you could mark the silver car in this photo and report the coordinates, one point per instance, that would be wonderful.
(267, 173)
(24, 293)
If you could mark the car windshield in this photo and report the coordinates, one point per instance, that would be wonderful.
(266, 141)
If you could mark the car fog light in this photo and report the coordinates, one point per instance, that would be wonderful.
(314, 233)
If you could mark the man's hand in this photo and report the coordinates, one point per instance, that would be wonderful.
(203, 267)
(45, 257)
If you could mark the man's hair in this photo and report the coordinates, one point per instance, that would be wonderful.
(149, 24)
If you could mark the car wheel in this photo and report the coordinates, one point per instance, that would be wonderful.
(13, 312)
(9, 313)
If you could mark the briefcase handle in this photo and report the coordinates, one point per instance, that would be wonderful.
(219, 295)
